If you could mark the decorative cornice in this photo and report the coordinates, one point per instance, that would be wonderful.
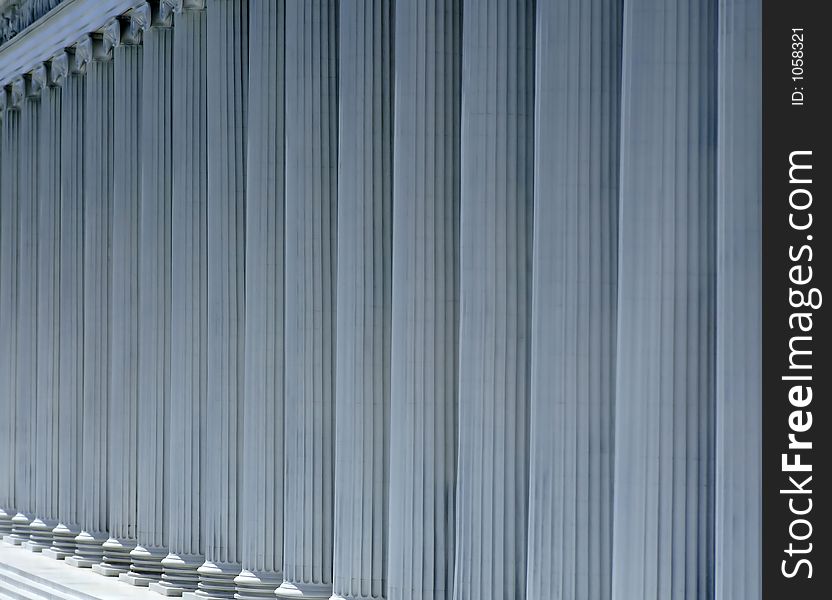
(55, 31)
(134, 24)
(82, 54)
(17, 15)
(17, 91)
(57, 69)
(36, 81)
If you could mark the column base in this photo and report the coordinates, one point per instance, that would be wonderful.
(40, 535)
(63, 542)
(145, 566)
(254, 586)
(178, 576)
(116, 558)
(307, 591)
(216, 581)
(20, 529)
(88, 550)
(5, 522)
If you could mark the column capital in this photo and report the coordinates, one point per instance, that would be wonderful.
(161, 12)
(104, 40)
(133, 24)
(17, 91)
(183, 5)
(3, 98)
(81, 54)
(57, 68)
(36, 81)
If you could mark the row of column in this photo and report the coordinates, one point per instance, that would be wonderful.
(371, 299)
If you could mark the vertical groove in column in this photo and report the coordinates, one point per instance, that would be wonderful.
(227, 82)
(9, 174)
(577, 106)
(8, 208)
(25, 379)
(363, 294)
(71, 315)
(124, 336)
(98, 198)
(261, 525)
(495, 297)
(664, 458)
(739, 303)
(425, 306)
(154, 442)
(189, 299)
(311, 241)
(48, 307)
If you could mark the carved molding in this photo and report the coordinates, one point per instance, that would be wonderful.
(56, 30)
(17, 15)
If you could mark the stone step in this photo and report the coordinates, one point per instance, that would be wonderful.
(20, 585)
(28, 576)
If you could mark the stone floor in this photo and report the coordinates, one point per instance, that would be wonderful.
(28, 576)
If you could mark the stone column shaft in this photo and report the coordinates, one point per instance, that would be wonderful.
(25, 324)
(425, 300)
(10, 152)
(362, 396)
(124, 333)
(577, 105)
(738, 511)
(189, 304)
(71, 314)
(495, 298)
(227, 84)
(261, 528)
(663, 503)
(48, 310)
(153, 432)
(97, 277)
(311, 215)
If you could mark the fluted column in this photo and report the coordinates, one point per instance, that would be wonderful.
(97, 277)
(425, 308)
(261, 508)
(48, 338)
(124, 334)
(227, 82)
(362, 395)
(738, 508)
(154, 316)
(70, 69)
(495, 298)
(189, 303)
(10, 153)
(311, 215)
(663, 503)
(25, 376)
(577, 105)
